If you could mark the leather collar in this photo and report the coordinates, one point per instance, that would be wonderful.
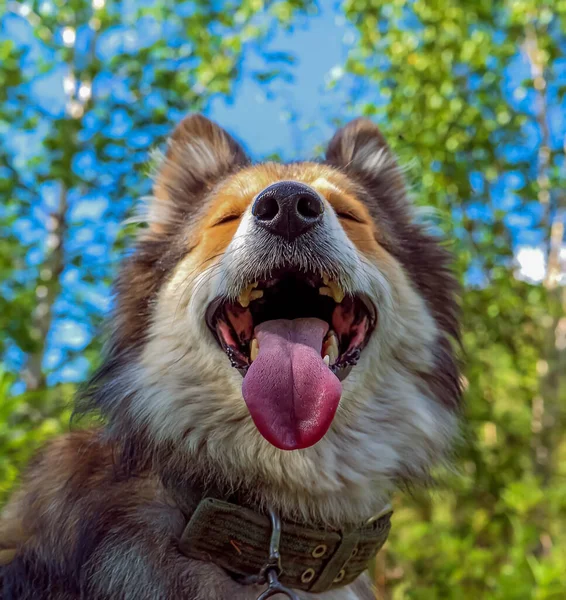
(237, 539)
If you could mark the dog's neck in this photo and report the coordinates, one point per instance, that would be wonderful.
(330, 484)
(188, 481)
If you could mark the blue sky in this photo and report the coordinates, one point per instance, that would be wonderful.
(290, 118)
(262, 120)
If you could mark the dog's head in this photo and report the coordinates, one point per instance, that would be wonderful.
(299, 307)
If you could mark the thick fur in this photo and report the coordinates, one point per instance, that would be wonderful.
(100, 511)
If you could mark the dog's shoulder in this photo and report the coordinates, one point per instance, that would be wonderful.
(71, 497)
(67, 466)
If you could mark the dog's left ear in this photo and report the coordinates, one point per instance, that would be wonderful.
(199, 154)
(360, 149)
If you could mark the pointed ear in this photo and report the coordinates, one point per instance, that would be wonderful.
(359, 147)
(360, 150)
(199, 154)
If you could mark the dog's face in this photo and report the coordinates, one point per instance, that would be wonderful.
(290, 323)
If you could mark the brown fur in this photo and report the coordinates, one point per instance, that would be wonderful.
(99, 512)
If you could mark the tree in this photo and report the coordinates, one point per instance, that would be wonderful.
(486, 149)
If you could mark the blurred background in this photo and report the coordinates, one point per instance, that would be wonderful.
(470, 94)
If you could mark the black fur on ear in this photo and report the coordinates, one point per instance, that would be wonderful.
(360, 150)
(199, 154)
(359, 146)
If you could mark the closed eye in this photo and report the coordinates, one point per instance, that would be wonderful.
(348, 216)
(227, 219)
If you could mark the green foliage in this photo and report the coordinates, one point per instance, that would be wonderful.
(26, 422)
(496, 528)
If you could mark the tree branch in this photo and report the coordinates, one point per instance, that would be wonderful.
(47, 290)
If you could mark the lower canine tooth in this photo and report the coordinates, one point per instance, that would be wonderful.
(254, 349)
(330, 347)
(326, 360)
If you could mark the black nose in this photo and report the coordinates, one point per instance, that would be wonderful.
(288, 209)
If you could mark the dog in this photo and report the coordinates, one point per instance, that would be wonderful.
(282, 357)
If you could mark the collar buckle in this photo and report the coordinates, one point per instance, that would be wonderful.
(271, 570)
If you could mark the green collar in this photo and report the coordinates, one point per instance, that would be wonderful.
(315, 560)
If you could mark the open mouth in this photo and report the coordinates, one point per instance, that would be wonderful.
(294, 337)
(290, 296)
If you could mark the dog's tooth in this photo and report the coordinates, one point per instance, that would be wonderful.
(332, 289)
(326, 360)
(256, 294)
(254, 349)
(330, 347)
(337, 292)
(333, 354)
(245, 296)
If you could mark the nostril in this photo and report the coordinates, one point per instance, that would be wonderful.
(265, 208)
(309, 207)
(288, 209)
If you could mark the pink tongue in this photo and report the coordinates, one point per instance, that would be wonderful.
(291, 394)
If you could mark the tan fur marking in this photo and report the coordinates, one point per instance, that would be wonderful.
(234, 197)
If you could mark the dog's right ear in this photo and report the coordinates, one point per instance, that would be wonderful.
(199, 154)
